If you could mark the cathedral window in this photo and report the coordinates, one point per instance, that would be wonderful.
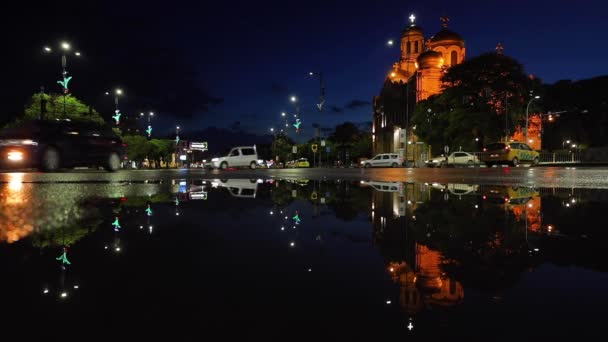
(454, 58)
(409, 47)
(416, 47)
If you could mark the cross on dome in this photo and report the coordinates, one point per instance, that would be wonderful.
(412, 18)
(444, 21)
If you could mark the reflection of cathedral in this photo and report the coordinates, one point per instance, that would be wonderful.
(416, 268)
(415, 77)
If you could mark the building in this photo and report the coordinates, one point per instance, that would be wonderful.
(415, 77)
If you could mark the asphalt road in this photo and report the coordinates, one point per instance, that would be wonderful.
(563, 177)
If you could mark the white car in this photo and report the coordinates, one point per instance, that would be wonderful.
(243, 156)
(454, 159)
(384, 160)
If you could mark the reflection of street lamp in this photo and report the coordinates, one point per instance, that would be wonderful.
(527, 109)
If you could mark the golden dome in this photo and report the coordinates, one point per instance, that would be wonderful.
(412, 30)
(447, 37)
(430, 59)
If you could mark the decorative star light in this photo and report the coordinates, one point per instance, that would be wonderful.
(149, 211)
(64, 83)
(296, 218)
(64, 257)
(116, 224)
(297, 125)
(117, 116)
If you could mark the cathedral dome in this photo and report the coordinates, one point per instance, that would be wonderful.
(447, 37)
(412, 30)
(430, 59)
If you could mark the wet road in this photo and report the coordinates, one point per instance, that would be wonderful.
(563, 177)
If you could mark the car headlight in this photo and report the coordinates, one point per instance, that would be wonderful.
(435, 161)
(215, 159)
(15, 156)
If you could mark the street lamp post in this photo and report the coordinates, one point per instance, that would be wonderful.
(176, 144)
(527, 109)
(298, 122)
(321, 89)
(64, 48)
(117, 113)
(149, 130)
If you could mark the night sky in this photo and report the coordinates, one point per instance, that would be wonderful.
(235, 64)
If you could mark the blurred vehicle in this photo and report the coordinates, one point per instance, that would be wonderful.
(455, 159)
(244, 188)
(511, 153)
(384, 160)
(509, 195)
(54, 144)
(243, 156)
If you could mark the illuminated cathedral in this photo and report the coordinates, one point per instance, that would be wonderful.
(415, 77)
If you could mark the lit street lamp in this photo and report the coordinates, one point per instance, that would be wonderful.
(527, 109)
(149, 129)
(64, 48)
(321, 89)
(117, 113)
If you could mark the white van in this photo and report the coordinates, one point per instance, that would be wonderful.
(243, 156)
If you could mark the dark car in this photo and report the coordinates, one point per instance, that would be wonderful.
(53, 144)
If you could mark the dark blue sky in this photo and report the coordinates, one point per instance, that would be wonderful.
(238, 62)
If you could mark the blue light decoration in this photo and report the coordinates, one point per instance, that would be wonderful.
(297, 125)
(296, 218)
(149, 210)
(116, 224)
(117, 117)
(64, 84)
(64, 257)
(149, 131)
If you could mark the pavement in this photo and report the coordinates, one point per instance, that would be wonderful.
(552, 177)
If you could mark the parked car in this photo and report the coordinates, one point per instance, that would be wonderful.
(243, 156)
(384, 160)
(54, 144)
(302, 162)
(513, 153)
(455, 159)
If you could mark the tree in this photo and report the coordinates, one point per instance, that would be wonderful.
(74, 108)
(485, 99)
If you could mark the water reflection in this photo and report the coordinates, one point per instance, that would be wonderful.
(417, 247)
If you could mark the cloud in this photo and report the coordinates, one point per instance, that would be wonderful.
(354, 104)
(336, 109)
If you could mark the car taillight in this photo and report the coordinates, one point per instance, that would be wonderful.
(124, 145)
(507, 147)
(485, 149)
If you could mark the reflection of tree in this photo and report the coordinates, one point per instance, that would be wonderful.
(348, 201)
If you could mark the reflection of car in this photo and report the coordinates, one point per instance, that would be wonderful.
(462, 189)
(385, 186)
(245, 156)
(52, 144)
(384, 160)
(512, 153)
(455, 159)
(510, 195)
(245, 188)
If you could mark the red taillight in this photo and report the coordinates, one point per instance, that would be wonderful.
(484, 197)
(485, 149)
(507, 147)
(124, 145)
(506, 199)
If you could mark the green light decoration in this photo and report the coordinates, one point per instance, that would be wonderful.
(117, 116)
(64, 83)
(297, 125)
(116, 224)
(296, 218)
(149, 131)
(176, 201)
(64, 257)
(176, 140)
(149, 211)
